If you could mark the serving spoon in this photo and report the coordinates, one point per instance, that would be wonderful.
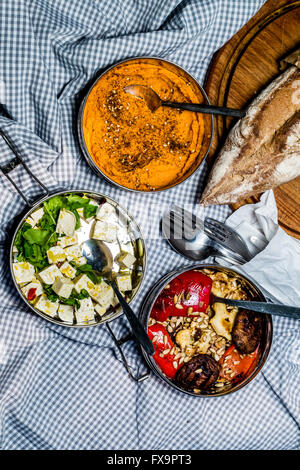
(262, 307)
(99, 256)
(153, 101)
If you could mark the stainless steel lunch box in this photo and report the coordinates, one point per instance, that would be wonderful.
(254, 291)
(132, 225)
(209, 123)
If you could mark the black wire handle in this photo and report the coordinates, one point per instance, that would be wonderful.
(6, 169)
(206, 109)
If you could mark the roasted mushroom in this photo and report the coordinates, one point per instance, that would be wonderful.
(200, 372)
(247, 331)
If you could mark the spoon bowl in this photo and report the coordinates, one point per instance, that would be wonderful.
(153, 101)
(99, 256)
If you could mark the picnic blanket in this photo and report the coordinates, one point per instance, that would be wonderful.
(63, 388)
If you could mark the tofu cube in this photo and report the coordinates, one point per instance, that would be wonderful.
(34, 284)
(56, 255)
(63, 287)
(105, 212)
(23, 271)
(46, 306)
(37, 215)
(86, 312)
(73, 253)
(66, 223)
(100, 310)
(68, 241)
(124, 282)
(67, 270)
(105, 231)
(126, 260)
(49, 274)
(83, 282)
(66, 313)
(103, 294)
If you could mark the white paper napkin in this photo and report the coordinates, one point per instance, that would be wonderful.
(276, 262)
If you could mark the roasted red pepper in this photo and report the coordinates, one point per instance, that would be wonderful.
(31, 295)
(235, 366)
(162, 342)
(187, 293)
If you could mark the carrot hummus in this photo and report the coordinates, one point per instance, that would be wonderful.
(131, 145)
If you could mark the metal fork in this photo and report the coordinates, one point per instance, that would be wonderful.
(187, 225)
(226, 236)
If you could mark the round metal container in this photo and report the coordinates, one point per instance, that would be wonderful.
(265, 341)
(134, 234)
(208, 119)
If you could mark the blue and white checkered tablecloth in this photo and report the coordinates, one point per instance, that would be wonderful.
(62, 388)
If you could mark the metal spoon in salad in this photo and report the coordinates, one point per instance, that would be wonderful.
(98, 255)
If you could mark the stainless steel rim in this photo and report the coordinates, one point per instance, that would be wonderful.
(83, 146)
(60, 193)
(147, 307)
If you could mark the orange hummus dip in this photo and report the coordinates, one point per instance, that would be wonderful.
(134, 147)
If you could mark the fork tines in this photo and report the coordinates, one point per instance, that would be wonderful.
(215, 229)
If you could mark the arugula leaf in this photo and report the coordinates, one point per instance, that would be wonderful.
(76, 201)
(83, 294)
(89, 210)
(88, 270)
(53, 206)
(74, 298)
(36, 235)
(52, 296)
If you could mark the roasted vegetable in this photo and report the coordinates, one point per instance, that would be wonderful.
(186, 295)
(247, 331)
(234, 366)
(200, 372)
(163, 345)
(223, 320)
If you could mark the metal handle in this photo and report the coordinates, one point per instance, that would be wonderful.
(118, 343)
(6, 169)
(137, 329)
(263, 307)
(206, 109)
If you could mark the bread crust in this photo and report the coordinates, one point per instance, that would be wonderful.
(262, 150)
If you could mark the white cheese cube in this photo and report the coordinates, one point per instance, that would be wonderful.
(100, 310)
(83, 282)
(80, 261)
(49, 274)
(66, 223)
(68, 241)
(105, 212)
(124, 282)
(63, 287)
(37, 215)
(68, 270)
(23, 271)
(105, 231)
(66, 313)
(85, 313)
(46, 306)
(102, 293)
(73, 253)
(34, 284)
(56, 255)
(30, 221)
(126, 260)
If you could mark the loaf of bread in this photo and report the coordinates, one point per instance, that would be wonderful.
(262, 150)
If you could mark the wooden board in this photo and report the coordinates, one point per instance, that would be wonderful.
(242, 68)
